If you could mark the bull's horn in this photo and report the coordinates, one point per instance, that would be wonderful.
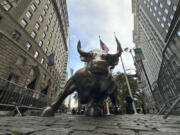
(119, 51)
(81, 52)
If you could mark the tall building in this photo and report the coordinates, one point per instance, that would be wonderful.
(29, 32)
(155, 22)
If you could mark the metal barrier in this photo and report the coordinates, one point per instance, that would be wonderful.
(14, 96)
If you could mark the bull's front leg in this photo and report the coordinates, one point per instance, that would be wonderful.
(70, 87)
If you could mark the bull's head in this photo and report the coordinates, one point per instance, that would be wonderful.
(99, 61)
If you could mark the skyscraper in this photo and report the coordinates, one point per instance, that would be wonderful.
(155, 25)
(29, 32)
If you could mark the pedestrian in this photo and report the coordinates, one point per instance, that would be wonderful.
(73, 111)
(129, 108)
(143, 109)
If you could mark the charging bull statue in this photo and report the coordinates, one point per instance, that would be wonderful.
(93, 83)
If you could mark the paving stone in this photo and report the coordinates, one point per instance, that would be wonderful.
(166, 129)
(5, 132)
(47, 132)
(157, 133)
(86, 133)
(135, 127)
(114, 132)
(65, 124)
(83, 127)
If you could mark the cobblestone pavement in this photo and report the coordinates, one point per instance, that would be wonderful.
(66, 124)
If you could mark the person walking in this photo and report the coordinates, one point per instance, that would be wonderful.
(129, 107)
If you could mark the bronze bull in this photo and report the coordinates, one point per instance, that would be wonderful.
(93, 83)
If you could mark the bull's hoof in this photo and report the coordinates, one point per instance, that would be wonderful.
(47, 112)
(94, 111)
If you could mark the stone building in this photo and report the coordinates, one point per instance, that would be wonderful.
(154, 21)
(30, 31)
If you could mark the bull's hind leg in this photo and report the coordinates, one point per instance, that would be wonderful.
(114, 99)
(70, 87)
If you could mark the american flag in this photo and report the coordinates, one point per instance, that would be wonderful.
(103, 46)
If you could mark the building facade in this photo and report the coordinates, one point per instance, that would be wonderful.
(153, 23)
(29, 32)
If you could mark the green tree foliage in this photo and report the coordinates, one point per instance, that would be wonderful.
(123, 90)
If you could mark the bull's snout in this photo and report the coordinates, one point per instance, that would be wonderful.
(100, 63)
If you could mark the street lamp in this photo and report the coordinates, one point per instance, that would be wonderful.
(142, 66)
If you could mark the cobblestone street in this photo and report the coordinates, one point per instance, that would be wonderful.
(66, 124)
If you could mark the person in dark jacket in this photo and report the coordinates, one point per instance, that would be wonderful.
(129, 107)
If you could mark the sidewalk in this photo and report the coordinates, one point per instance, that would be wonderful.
(66, 124)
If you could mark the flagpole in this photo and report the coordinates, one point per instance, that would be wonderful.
(127, 81)
(129, 88)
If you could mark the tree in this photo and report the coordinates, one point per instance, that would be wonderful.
(138, 94)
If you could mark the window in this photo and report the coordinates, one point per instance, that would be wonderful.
(166, 11)
(151, 3)
(156, 1)
(148, 5)
(144, 2)
(45, 50)
(161, 5)
(155, 8)
(15, 35)
(36, 54)
(49, 21)
(159, 12)
(33, 34)
(37, 26)
(162, 25)
(164, 18)
(154, 14)
(174, 8)
(44, 77)
(50, 35)
(40, 18)
(168, 2)
(171, 17)
(166, 31)
(44, 12)
(33, 7)
(150, 9)
(42, 60)
(169, 24)
(46, 28)
(23, 23)
(49, 2)
(43, 35)
(178, 33)
(37, 1)
(46, 7)
(27, 46)
(40, 43)
(28, 14)
(6, 5)
(48, 42)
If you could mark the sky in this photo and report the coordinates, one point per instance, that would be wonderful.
(90, 19)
